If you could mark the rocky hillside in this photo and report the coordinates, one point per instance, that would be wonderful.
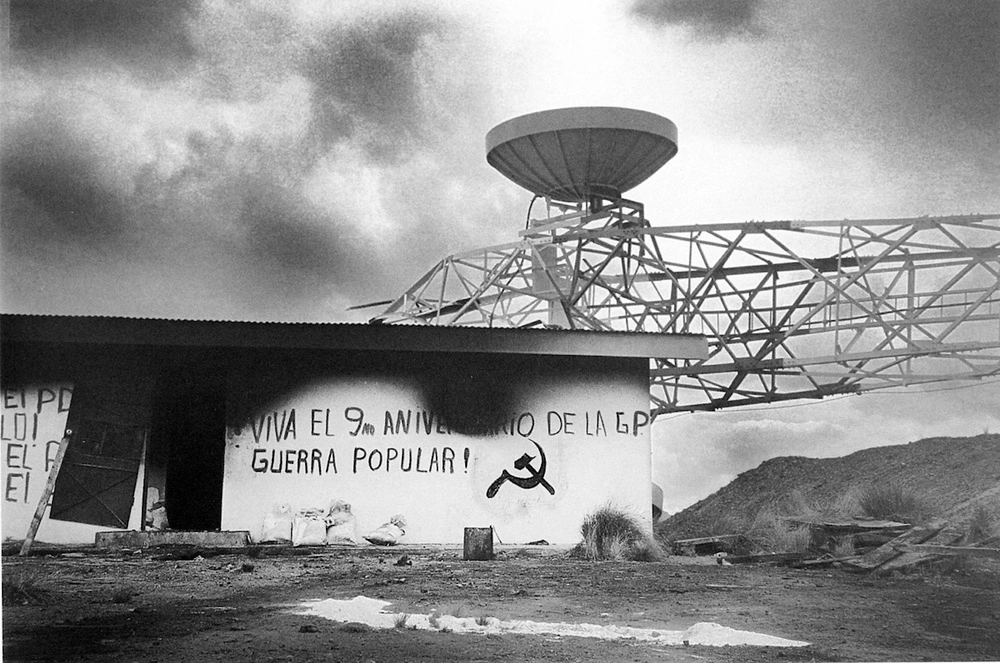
(942, 471)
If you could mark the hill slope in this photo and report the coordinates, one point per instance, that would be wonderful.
(943, 471)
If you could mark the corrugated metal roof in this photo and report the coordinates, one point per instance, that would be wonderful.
(16, 328)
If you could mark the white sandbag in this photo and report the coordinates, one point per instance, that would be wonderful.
(156, 511)
(277, 525)
(308, 528)
(390, 533)
(341, 524)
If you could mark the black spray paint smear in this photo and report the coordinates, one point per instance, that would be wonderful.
(474, 395)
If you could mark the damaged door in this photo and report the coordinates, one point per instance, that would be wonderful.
(96, 484)
(108, 425)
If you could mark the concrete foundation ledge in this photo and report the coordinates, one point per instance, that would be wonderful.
(133, 539)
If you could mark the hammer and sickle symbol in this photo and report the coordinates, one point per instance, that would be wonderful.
(524, 463)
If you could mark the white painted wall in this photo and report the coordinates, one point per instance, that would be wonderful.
(32, 422)
(593, 429)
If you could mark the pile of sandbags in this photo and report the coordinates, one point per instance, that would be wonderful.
(336, 525)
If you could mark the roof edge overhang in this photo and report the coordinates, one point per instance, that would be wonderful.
(29, 329)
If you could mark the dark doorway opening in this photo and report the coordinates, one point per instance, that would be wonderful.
(189, 442)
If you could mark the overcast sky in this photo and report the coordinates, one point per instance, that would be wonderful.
(285, 160)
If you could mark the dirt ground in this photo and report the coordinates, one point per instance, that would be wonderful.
(145, 606)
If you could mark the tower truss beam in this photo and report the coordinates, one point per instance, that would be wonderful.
(791, 309)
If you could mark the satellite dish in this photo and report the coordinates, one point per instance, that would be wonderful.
(577, 154)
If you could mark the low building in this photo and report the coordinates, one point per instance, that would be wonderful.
(204, 425)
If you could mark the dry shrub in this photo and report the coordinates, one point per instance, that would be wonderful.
(797, 505)
(893, 501)
(612, 534)
(803, 507)
(718, 525)
(775, 534)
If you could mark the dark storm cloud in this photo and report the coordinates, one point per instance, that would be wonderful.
(60, 172)
(367, 85)
(287, 231)
(952, 54)
(917, 85)
(709, 18)
(144, 35)
(241, 201)
(222, 159)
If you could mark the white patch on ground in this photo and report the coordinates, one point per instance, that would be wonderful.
(372, 612)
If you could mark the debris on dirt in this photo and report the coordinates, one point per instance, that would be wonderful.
(862, 533)
(825, 561)
(184, 552)
(404, 561)
(539, 542)
(909, 559)
(308, 628)
(890, 551)
(962, 551)
(776, 559)
(710, 545)
(188, 609)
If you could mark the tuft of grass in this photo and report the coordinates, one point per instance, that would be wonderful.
(802, 506)
(26, 587)
(843, 546)
(483, 620)
(981, 526)
(399, 621)
(775, 534)
(459, 610)
(434, 620)
(123, 594)
(612, 534)
(893, 501)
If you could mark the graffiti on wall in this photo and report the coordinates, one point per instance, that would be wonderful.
(32, 420)
(269, 432)
(534, 478)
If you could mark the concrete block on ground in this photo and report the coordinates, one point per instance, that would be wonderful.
(117, 540)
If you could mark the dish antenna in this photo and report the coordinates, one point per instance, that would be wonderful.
(581, 154)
